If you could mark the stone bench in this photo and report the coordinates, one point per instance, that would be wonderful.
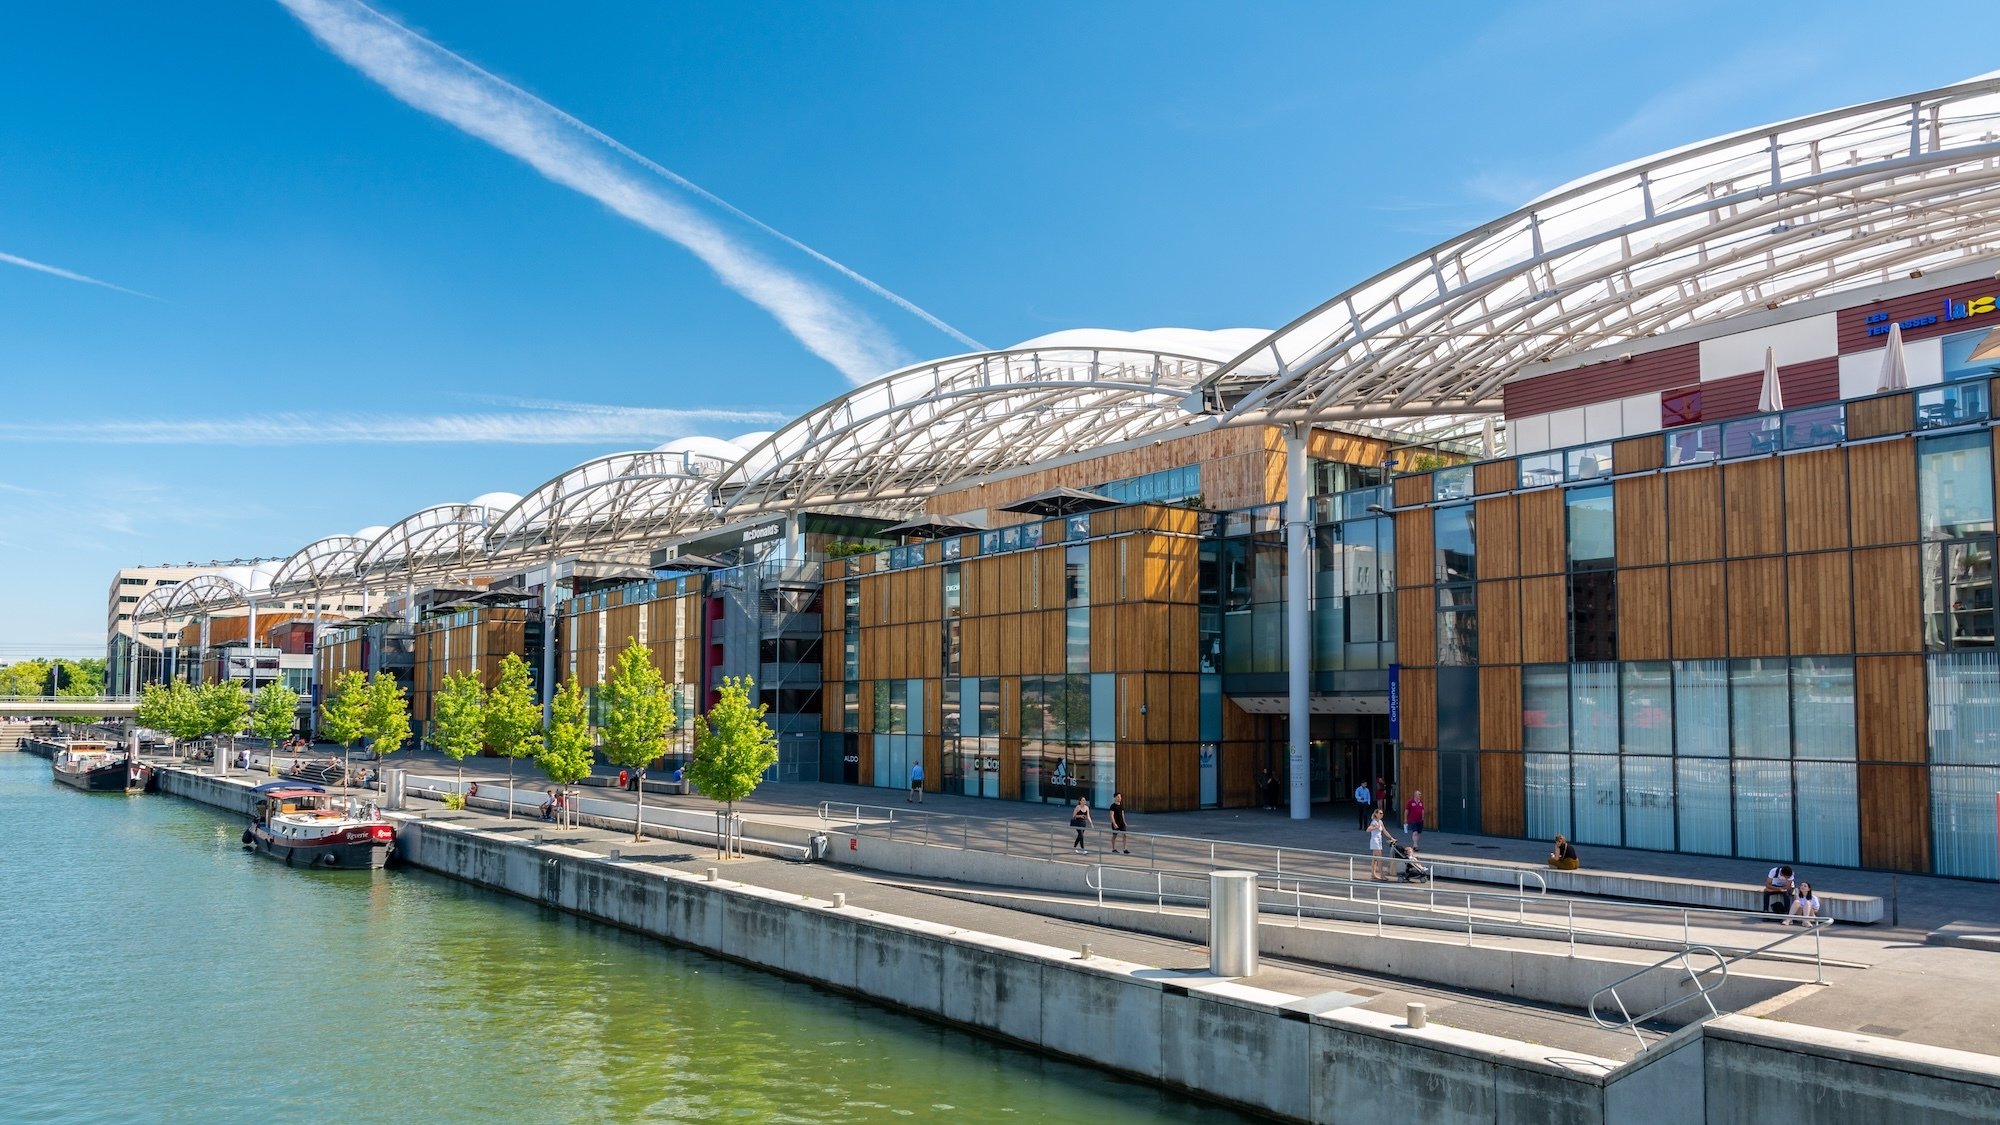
(1708, 893)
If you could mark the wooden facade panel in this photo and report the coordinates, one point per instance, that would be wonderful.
(1638, 454)
(1502, 795)
(1816, 506)
(1105, 569)
(1756, 600)
(1419, 703)
(1416, 772)
(1416, 625)
(1412, 490)
(1497, 536)
(1544, 542)
(1643, 620)
(1881, 492)
(1414, 548)
(1495, 476)
(1544, 621)
(1820, 603)
(1694, 514)
(1499, 621)
(1878, 417)
(1889, 615)
(1889, 709)
(1697, 611)
(1639, 505)
(1753, 507)
(1895, 817)
(1500, 708)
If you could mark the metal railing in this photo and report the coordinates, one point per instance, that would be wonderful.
(1702, 989)
(1154, 849)
(1498, 913)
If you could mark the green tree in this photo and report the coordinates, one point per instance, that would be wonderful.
(637, 714)
(274, 715)
(387, 715)
(184, 715)
(513, 717)
(458, 720)
(733, 746)
(344, 716)
(225, 708)
(566, 755)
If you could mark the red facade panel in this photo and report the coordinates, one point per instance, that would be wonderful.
(1803, 384)
(1601, 382)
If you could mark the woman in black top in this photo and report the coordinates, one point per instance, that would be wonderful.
(1118, 832)
(1079, 819)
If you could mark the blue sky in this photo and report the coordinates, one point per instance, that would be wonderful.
(333, 277)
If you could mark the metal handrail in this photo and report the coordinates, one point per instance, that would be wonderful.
(1521, 875)
(1631, 1023)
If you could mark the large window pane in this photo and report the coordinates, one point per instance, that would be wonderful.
(1646, 694)
(1965, 707)
(1701, 792)
(1594, 708)
(1649, 803)
(1104, 704)
(1596, 788)
(1701, 710)
(1455, 557)
(1545, 708)
(1962, 821)
(1829, 823)
(1592, 532)
(1823, 707)
(1955, 485)
(1764, 809)
(1547, 779)
(1760, 700)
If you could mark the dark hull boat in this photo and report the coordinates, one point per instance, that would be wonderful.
(95, 769)
(302, 826)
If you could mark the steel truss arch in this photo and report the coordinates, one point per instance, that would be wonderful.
(1755, 219)
(620, 499)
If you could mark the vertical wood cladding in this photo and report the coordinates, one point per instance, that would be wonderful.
(1643, 629)
(1816, 500)
(1544, 544)
(1493, 476)
(1500, 706)
(1888, 616)
(1638, 454)
(1895, 817)
(1882, 492)
(1417, 645)
(1752, 503)
(1497, 537)
(1699, 613)
(1544, 620)
(1415, 565)
(1756, 607)
(1879, 417)
(1820, 603)
(1640, 506)
(1694, 514)
(1889, 708)
(1499, 610)
(1502, 795)
(1417, 773)
(1412, 490)
(1419, 702)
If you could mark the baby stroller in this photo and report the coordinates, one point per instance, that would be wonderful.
(1412, 871)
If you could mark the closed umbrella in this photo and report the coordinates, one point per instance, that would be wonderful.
(1772, 398)
(1895, 372)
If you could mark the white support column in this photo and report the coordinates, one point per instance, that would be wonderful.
(549, 615)
(1298, 617)
(201, 667)
(250, 639)
(132, 677)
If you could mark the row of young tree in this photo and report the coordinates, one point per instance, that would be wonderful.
(187, 712)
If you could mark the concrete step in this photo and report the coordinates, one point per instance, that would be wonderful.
(1967, 935)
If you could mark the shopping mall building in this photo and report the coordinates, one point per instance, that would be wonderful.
(1658, 513)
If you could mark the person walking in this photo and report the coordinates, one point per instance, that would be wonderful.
(1118, 832)
(1079, 819)
(1413, 818)
(916, 782)
(1364, 802)
(1378, 838)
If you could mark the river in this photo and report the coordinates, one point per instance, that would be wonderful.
(154, 971)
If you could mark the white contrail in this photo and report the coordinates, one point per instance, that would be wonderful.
(30, 264)
(432, 79)
(573, 424)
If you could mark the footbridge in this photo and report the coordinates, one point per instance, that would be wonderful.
(53, 706)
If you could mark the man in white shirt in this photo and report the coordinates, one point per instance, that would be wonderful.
(1364, 802)
(1778, 884)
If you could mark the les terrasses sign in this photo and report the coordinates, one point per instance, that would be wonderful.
(1955, 308)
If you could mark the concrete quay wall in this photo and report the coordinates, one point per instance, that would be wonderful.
(1763, 1072)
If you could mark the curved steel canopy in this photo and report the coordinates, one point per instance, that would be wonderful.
(614, 500)
(1751, 220)
(319, 564)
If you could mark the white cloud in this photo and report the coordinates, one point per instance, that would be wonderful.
(432, 79)
(71, 275)
(558, 424)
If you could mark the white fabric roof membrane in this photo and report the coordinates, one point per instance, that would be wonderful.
(439, 537)
(932, 424)
(1755, 219)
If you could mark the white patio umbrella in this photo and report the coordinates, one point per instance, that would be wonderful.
(1895, 371)
(1771, 399)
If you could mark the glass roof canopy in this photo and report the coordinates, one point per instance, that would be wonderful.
(1752, 220)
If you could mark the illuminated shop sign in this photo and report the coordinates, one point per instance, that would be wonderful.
(1954, 309)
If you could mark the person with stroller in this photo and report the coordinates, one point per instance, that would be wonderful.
(1378, 837)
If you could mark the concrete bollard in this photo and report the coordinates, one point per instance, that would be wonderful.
(615, 853)
(1232, 923)
(1413, 1015)
(1084, 953)
(840, 900)
(396, 783)
(711, 875)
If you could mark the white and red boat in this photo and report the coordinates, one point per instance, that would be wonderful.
(99, 767)
(304, 825)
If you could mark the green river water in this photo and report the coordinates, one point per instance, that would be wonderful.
(150, 970)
